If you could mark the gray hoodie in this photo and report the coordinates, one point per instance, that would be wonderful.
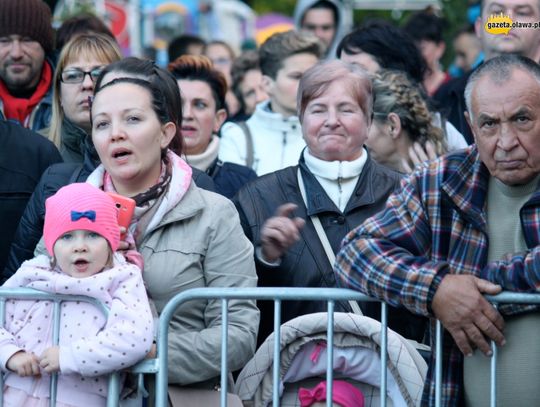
(303, 5)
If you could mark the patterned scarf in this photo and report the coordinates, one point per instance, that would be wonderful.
(153, 204)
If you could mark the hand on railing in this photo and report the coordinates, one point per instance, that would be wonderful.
(462, 309)
(50, 360)
(24, 364)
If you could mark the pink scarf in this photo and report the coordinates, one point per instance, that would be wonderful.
(174, 190)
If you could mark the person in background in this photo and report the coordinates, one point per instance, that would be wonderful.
(24, 156)
(83, 23)
(467, 214)
(426, 29)
(324, 19)
(402, 121)
(186, 44)
(203, 89)
(247, 84)
(296, 217)
(467, 50)
(80, 62)
(26, 39)
(520, 41)
(82, 235)
(274, 140)
(380, 45)
(222, 56)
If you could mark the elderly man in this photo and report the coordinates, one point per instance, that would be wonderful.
(470, 212)
(26, 37)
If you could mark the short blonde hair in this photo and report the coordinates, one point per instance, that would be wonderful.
(317, 79)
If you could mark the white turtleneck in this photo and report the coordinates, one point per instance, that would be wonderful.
(206, 158)
(338, 178)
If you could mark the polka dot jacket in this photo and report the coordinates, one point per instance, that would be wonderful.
(91, 346)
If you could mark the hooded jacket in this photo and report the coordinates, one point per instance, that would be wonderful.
(304, 5)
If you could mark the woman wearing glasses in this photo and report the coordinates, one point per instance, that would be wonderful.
(79, 65)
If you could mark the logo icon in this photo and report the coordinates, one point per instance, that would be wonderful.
(498, 24)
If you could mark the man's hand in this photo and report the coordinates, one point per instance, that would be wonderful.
(460, 306)
(50, 359)
(24, 364)
(280, 232)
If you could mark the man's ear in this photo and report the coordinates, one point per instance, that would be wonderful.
(268, 84)
(479, 27)
(395, 125)
(470, 123)
(441, 47)
(221, 116)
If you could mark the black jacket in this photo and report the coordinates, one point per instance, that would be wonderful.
(306, 264)
(229, 177)
(450, 100)
(30, 227)
(24, 155)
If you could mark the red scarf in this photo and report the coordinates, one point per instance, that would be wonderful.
(19, 108)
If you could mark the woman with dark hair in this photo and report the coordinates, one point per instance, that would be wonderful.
(203, 90)
(379, 44)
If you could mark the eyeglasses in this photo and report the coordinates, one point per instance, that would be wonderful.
(76, 75)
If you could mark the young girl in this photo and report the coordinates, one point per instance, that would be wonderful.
(81, 234)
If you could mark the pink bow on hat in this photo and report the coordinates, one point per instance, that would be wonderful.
(344, 394)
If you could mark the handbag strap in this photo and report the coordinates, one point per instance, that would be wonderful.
(323, 237)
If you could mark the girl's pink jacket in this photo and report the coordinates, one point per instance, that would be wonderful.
(90, 345)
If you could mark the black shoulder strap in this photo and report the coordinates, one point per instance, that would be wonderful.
(249, 143)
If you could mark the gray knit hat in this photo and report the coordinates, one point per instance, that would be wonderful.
(27, 18)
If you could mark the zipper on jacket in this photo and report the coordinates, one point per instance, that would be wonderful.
(283, 146)
(340, 188)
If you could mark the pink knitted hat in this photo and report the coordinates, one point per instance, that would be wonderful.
(84, 207)
(343, 393)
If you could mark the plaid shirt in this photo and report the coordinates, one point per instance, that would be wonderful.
(434, 225)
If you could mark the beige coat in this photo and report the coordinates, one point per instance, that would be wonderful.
(200, 243)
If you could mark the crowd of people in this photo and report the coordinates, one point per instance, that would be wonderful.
(324, 158)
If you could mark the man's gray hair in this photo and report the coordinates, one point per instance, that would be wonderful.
(499, 70)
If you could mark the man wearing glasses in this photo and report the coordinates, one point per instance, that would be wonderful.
(26, 37)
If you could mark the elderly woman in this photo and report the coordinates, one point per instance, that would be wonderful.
(188, 237)
(401, 121)
(81, 61)
(298, 216)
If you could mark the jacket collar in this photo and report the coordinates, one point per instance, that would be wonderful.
(266, 118)
(466, 186)
(192, 203)
(319, 202)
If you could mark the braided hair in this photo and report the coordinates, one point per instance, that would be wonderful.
(395, 93)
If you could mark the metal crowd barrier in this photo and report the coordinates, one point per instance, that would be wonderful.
(113, 394)
(159, 365)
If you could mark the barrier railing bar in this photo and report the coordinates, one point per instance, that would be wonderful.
(55, 340)
(2, 323)
(438, 363)
(330, 354)
(224, 347)
(277, 350)
(57, 299)
(384, 351)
